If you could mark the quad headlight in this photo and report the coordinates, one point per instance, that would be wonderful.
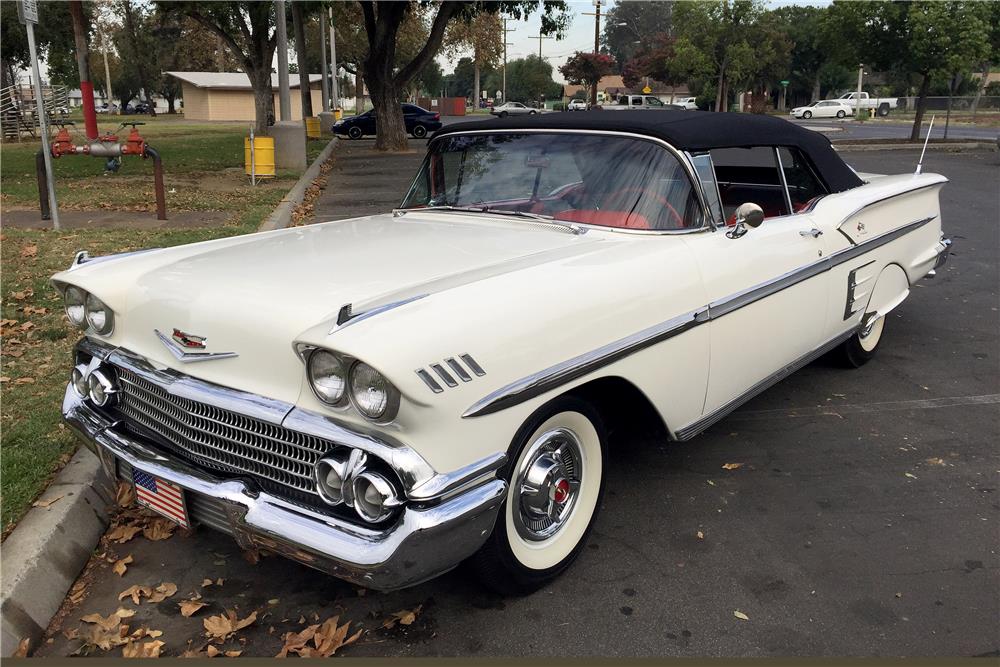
(100, 318)
(75, 300)
(339, 380)
(327, 376)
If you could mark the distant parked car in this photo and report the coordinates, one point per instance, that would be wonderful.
(577, 105)
(882, 105)
(512, 109)
(418, 121)
(687, 102)
(823, 109)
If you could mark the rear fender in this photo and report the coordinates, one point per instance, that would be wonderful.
(890, 289)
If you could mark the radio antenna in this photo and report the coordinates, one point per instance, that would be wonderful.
(920, 163)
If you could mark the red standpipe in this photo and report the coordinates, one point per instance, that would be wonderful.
(89, 112)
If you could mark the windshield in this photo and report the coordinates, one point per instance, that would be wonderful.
(601, 180)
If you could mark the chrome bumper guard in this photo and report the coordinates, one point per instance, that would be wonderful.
(424, 542)
(943, 247)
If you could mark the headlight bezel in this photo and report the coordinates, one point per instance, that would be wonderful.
(73, 296)
(391, 394)
(306, 351)
(315, 354)
(80, 323)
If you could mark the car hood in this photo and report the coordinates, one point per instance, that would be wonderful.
(254, 295)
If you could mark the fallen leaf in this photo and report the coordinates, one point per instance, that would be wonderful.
(701, 535)
(910, 475)
(219, 581)
(29, 251)
(731, 466)
(159, 529)
(71, 634)
(45, 503)
(122, 534)
(296, 641)
(206, 582)
(273, 601)
(124, 495)
(111, 621)
(233, 654)
(121, 566)
(146, 632)
(135, 592)
(22, 648)
(189, 607)
(25, 380)
(143, 650)
(404, 617)
(330, 637)
(934, 461)
(211, 651)
(251, 556)
(163, 591)
(740, 615)
(302, 620)
(221, 626)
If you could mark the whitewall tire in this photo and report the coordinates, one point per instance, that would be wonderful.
(860, 348)
(555, 485)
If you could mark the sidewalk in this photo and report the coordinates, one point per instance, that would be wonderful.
(365, 181)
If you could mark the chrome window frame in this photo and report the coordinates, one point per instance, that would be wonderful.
(708, 223)
(715, 182)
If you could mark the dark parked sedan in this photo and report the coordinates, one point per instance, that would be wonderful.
(418, 121)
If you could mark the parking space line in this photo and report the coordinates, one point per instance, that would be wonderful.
(888, 406)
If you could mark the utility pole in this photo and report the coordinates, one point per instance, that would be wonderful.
(322, 59)
(857, 102)
(539, 37)
(505, 45)
(597, 44)
(107, 70)
(284, 98)
(333, 62)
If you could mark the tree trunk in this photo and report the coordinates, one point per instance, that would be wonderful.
(389, 127)
(299, 29)
(985, 67)
(475, 88)
(170, 103)
(263, 98)
(721, 93)
(816, 91)
(359, 92)
(921, 107)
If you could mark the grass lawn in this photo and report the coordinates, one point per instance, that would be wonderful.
(204, 168)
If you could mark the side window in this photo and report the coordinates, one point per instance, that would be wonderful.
(749, 175)
(803, 186)
(637, 101)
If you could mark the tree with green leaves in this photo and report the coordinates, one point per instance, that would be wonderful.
(529, 80)
(632, 25)
(717, 40)
(587, 69)
(925, 40)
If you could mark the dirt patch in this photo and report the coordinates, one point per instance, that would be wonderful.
(225, 180)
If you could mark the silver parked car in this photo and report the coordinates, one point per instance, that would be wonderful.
(512, 109)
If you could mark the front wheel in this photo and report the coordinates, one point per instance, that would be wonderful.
(859, 349)
(354, 132)
(807, 114)
(531, 113)
(419, 131)
(555, 484)
(883, 110)
(841, 113)
(503, 114)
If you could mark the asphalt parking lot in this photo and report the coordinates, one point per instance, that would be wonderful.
(862, 521)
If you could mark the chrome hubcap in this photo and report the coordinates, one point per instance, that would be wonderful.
(547, 484)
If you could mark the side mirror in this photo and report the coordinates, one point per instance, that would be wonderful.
(747, 215)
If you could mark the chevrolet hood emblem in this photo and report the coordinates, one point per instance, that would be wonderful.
(181, 345)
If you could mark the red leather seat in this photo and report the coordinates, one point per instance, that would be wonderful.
(618, 219)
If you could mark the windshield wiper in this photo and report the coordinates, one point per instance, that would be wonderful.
(547, 219)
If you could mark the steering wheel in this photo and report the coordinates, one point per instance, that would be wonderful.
(643, 191)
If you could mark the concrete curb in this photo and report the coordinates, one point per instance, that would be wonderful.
(282, 214)
(45, 553)
(950, 148)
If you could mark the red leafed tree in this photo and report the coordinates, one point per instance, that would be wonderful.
(654, 60)
(587, 69)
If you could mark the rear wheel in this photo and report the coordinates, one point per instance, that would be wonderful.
(841, 113)
(532, 112)
(419, 131)
(883, 109)
(555, 484)
(859, 349)
(354, 132)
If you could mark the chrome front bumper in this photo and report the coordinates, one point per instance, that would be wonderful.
(423, 542)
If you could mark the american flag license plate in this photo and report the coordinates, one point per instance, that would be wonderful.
(161, 497)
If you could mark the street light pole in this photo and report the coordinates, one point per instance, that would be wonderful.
(323, 67)
(539, 37)
(43, 125)
(857, 101)
(505, 45)
(597, 44)
(284, 98)
(333, 62)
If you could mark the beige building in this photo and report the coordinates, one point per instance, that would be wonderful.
(228, 95)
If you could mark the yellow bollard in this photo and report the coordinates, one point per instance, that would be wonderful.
(312, 128)
(338, 113)
(263, 156)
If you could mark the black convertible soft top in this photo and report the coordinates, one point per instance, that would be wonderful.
(690, 131)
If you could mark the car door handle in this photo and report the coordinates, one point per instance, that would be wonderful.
(815, 233)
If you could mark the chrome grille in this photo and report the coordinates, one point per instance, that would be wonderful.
(279, 459)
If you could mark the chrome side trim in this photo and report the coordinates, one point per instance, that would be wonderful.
(345, 310)
(188, 357)
(554, 376)
(784, 180)
(852, 285)
(700, 425)
(707, 222)
(550, 378)
(443, 485)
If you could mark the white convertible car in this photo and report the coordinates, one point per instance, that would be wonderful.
(384, 397)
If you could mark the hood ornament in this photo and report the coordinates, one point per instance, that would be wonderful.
(180, 345)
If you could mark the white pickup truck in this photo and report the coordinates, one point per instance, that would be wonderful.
(636, 102)
(882, 105)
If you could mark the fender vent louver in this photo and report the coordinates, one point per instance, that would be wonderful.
(451, 371)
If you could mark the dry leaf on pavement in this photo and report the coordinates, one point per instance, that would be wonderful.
(143, 650)
(121, 566)
(206, 582)
(124, 495)
(22, 648)
(111, 621)
(296, 641)
(159, 529)
(163, 591)
(122, 534)
(731, 466)
(701, 535)
(740, 615)
(135, 592)
(46, 502)
(221, 626)
(329, 638)
(189, 607)
(233, 654)
(211, 651)
(404, 617)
